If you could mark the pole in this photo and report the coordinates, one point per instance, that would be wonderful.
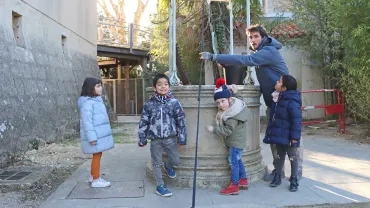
(197, 134)
(170, 52)
(248, 80)
(174, 7)
(174, 80)
(231, 28)
(248, 20)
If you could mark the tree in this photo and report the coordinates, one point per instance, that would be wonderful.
(111, 15)
(112, 18)
(337, 42)
(189, 21)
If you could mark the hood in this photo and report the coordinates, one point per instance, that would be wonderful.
(291, 95)
(270, 41)
(237, 111)
(82, 99)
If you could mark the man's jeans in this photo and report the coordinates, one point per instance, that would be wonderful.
(169, 145)
(274, 150)
(236, 164)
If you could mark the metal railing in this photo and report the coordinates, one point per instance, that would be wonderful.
(113, 32)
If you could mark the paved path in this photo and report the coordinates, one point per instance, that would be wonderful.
(335, 171)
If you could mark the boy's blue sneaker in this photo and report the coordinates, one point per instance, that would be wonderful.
(163, 191)
(170, 172)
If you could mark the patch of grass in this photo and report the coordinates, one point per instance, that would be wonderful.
(332, 124)
(123, 138)
(114, 125)
(69, 142)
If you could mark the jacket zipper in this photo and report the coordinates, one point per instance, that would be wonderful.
(161, 123)
(273, 116)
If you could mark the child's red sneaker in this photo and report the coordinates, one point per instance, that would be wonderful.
(243, 183)
(231, 189)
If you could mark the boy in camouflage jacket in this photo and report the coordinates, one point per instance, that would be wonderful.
(163, 122)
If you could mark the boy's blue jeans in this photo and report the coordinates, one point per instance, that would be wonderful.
(236, 164)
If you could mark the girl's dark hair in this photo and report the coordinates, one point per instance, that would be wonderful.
(88, 88)
(289, 82)
(160, 76)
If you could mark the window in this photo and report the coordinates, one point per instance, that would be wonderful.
(64, 44)
(17, 29)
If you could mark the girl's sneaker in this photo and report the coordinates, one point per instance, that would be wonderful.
(91, 179)
(163, 191)
(100, 183)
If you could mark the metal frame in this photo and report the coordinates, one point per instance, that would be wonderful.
(114, 86)
(334, 108)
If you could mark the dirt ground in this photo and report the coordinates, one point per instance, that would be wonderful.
(66, 157)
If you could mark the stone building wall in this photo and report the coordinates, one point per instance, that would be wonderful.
(47, 48)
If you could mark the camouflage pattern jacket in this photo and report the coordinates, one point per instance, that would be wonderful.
(162, 117)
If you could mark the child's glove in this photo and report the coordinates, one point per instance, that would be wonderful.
(210, 128)
(142, 144)
(294, 143)
(234, 88)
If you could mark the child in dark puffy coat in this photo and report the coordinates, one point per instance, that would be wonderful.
(284, 127)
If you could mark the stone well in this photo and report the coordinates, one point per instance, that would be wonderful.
(213, 169)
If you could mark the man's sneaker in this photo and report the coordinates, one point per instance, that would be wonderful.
(231, 189)
(243, 183)
(163, 191)
(100, 183)
(170, 172)
(270, 177)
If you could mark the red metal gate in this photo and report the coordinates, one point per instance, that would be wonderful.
(335, 108)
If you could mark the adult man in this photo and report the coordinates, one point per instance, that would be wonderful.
(270, 66)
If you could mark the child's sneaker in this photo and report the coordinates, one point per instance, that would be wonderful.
(243, 183)
(170, 172)
(100, 183)
(293, 184)
(231, 189)
(163, 191)
(276, 181)
(270, 177)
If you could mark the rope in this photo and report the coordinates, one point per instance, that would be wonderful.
(197, 134)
